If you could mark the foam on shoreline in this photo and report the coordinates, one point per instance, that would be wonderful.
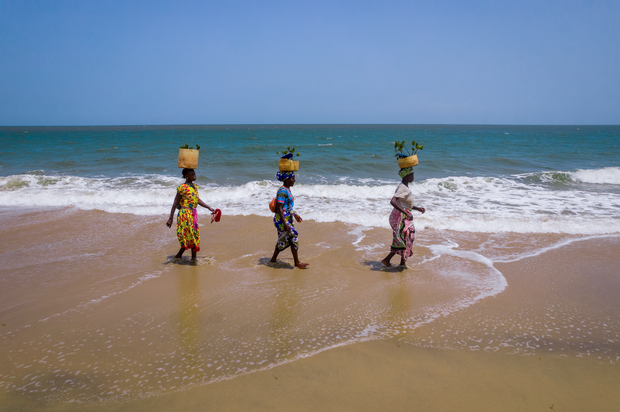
(543, 202)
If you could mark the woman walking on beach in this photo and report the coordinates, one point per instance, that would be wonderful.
(283, 219)
(187, 201)
(401, 219)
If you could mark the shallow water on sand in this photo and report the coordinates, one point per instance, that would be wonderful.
(104, 314)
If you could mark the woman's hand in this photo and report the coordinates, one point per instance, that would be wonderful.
(203, 204)
(175, 205)
(408, 215)
(421, 210)
(280, 212)
(298, 218)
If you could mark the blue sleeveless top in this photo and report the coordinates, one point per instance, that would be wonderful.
(285, 198)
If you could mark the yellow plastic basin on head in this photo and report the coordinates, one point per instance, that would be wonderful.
(287, 165)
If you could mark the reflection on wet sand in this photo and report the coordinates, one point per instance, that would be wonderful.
(189, 319)
(399, 301)
(284, 317)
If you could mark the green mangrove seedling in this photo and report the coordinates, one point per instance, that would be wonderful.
(288, 153)
(401, 151)
(190, 148)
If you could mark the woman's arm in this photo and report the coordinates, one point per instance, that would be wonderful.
(281, 213)
(177, 199)
(203, 204)
(396, 204)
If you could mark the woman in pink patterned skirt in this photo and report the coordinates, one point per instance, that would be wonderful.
(401, 219)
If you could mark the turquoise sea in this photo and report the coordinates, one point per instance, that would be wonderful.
(470, 178)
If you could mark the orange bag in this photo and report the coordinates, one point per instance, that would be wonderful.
(272, 204)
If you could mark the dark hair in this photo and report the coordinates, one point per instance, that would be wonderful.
(186, 171)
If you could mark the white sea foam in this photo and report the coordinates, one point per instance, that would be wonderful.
(477, 204)
(607, 175)
(539, 251)
(490, 284)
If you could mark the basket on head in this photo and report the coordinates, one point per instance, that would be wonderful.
(408, 161)
(188, 158)
(287, 165)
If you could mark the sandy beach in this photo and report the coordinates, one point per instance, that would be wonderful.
(94, 313)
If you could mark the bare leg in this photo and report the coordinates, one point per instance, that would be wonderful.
(403, 262)
(296, 258)
(275, 255)
(387, 259)
(193, 261)
(180, 254)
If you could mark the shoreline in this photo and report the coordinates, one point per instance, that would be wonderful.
(104, 289)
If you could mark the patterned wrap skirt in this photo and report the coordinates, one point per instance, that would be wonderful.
(188, 232)
(403, 234)
(285, 238)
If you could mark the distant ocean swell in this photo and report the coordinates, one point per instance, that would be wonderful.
(541, 202)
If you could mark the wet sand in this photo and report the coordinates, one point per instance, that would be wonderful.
(389, 375)
(97, 315)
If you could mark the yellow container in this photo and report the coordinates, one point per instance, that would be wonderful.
(287, 165)
(188, 158)
(408, 161)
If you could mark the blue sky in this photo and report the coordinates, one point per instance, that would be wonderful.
(256, 62)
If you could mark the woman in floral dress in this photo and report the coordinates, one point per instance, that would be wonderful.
(401, 220)
(283, 219)
(187, 202)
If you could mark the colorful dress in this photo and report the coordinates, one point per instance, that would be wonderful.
(285, 238)
(403, 231)
(187, 218)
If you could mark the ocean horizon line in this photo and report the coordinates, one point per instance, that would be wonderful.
(168, 125)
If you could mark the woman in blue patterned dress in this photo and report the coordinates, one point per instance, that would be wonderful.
(283, 219)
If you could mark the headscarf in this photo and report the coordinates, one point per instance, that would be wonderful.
(282, 176)
(405, 172)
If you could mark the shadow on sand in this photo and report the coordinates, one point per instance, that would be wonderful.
(377, 266)
(277, 265)
(187, 261)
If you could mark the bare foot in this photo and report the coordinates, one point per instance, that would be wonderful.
(273, 261)
(386, 263)
(193, 262)
(302, 265)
